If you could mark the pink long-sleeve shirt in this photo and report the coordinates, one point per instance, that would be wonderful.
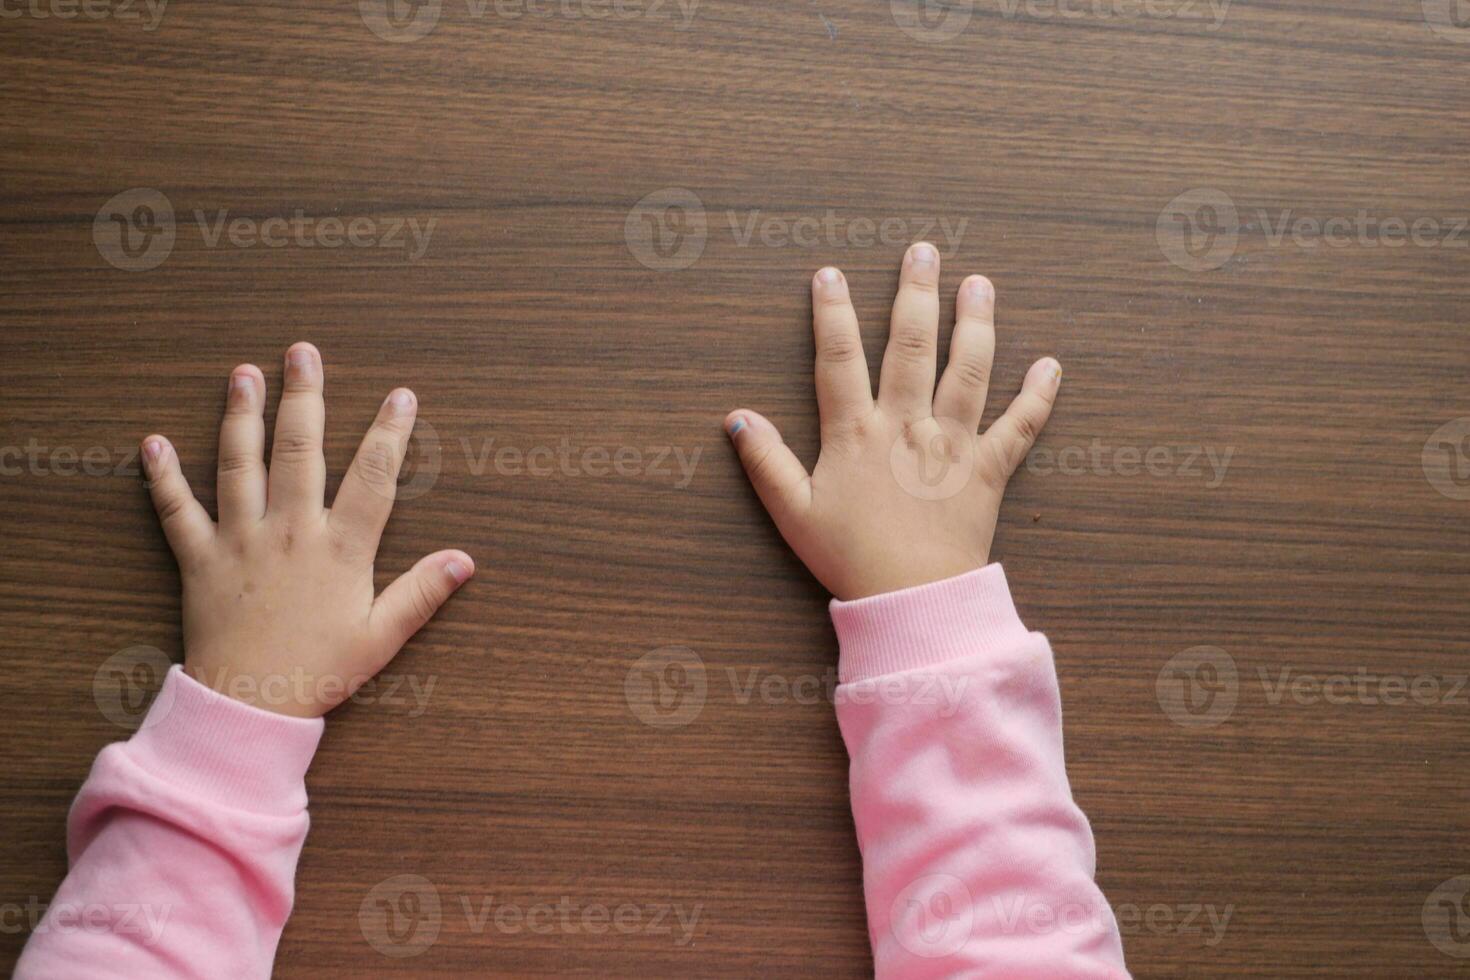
(976, 862)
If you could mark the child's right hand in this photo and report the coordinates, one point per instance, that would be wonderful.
(905, 491)
(279, 609)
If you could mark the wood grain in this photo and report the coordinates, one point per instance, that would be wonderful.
(1057, 139)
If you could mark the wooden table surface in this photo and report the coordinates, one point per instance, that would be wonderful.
(582, 231)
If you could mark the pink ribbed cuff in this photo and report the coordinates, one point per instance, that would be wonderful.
(925, 625)
(225, 750)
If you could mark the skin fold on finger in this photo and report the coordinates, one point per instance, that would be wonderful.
(413, 598)
(241, 472)
(365, 499)
(966, 379)
(779, 478)
(1015, 432)
(298, 471)
(844, 390)
(906, 382)
(186, 524)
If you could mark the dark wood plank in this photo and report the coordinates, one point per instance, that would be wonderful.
(1320, 829)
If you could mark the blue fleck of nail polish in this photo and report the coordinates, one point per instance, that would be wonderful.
(735, 429)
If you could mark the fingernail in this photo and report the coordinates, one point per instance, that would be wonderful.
(982, 288)
(299, 361)
(400, 402)
(1052, 368)
(829, 276)
(736, 426)
(924, 254)
(242, 385)
(153, 450)
(459, 572)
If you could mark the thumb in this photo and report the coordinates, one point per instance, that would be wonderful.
(779, 479)
(412, 599)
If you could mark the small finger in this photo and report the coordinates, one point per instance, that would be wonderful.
(966, 378)
(298, 471)
(906, 382)
(1015, 432)
(185, 522)
(844, 390)
(365, 498)
(779, 478)
(415, 596)
(241, 475)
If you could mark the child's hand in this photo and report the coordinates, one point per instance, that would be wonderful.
(278, 597)
(905, 492)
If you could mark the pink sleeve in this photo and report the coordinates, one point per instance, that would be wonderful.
(976, 862)
(183, 844)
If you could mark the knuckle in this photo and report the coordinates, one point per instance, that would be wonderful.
(237, 463)
(1027, 428)
(422, 602)
(294, 446)
(910, 340)
(835, 300)
(972, 374)
(840, 350)
(378, 463)
(762, 464)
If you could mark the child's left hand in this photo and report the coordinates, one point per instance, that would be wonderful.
(279, 609)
